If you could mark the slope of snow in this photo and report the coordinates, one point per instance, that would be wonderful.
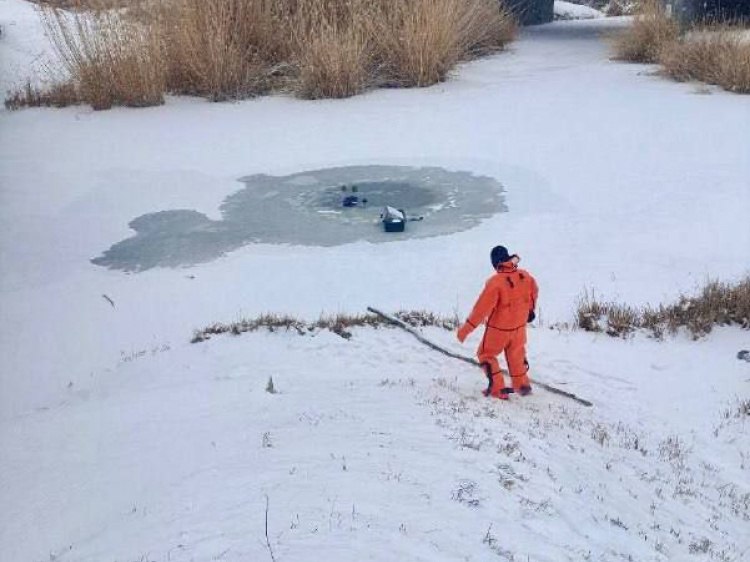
(24, 50)
(378, 448)
(121, 441)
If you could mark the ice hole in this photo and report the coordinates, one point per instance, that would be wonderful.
(311, 208)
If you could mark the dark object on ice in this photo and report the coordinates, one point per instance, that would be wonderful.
(353, 200)
(688, 11)
(350, 201)
(533, 12)
(394, 220)
(744, 355)
(525, 390)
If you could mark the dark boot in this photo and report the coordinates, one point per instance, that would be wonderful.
(495, 384)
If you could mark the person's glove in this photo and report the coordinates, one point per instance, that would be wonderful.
(463, 332)
(532, 316)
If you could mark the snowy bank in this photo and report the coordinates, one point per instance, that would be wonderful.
(570, 11)
(121, 440)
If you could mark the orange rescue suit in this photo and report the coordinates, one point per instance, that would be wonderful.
(509, 296)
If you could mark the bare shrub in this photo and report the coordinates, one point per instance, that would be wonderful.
(649, 32)
(717, 304)
(713, 55)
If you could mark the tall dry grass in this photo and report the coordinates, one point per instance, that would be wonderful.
(215, 49)
(707, 52)
(714, 55)
(336, 63)
(108, 59)
(716, 304)
(650, 31)
(239, 48)
(331, 47)
(418, 42)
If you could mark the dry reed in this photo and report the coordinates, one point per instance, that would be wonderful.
(110, 60)
(650, 31)
(716, 55)
(240, 48)
(707, 52)
(717, 304)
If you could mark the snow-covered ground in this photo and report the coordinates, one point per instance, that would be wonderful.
(121, 441)
(572, 11)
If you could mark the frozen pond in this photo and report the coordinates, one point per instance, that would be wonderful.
(325, 207)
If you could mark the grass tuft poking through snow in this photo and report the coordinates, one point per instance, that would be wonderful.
(339, 324)
(717, 304)
(740, 410)
(659, 471)
(54, 95)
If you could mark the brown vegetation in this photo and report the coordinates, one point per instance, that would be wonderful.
(339, 324)
(709, 53)
(87, 4)
(112, 61)
(55, 95)
(649, 32)
(718, 304)
(718, 56)
(240, 48)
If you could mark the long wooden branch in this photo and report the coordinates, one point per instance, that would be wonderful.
(404, 326)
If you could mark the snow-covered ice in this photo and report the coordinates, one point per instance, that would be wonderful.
(122, 441)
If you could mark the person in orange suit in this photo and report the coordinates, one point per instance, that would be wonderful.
(505, 306)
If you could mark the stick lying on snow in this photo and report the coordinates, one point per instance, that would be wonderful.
(396, 322)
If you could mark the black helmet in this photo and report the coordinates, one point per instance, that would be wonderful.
(498, 255)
